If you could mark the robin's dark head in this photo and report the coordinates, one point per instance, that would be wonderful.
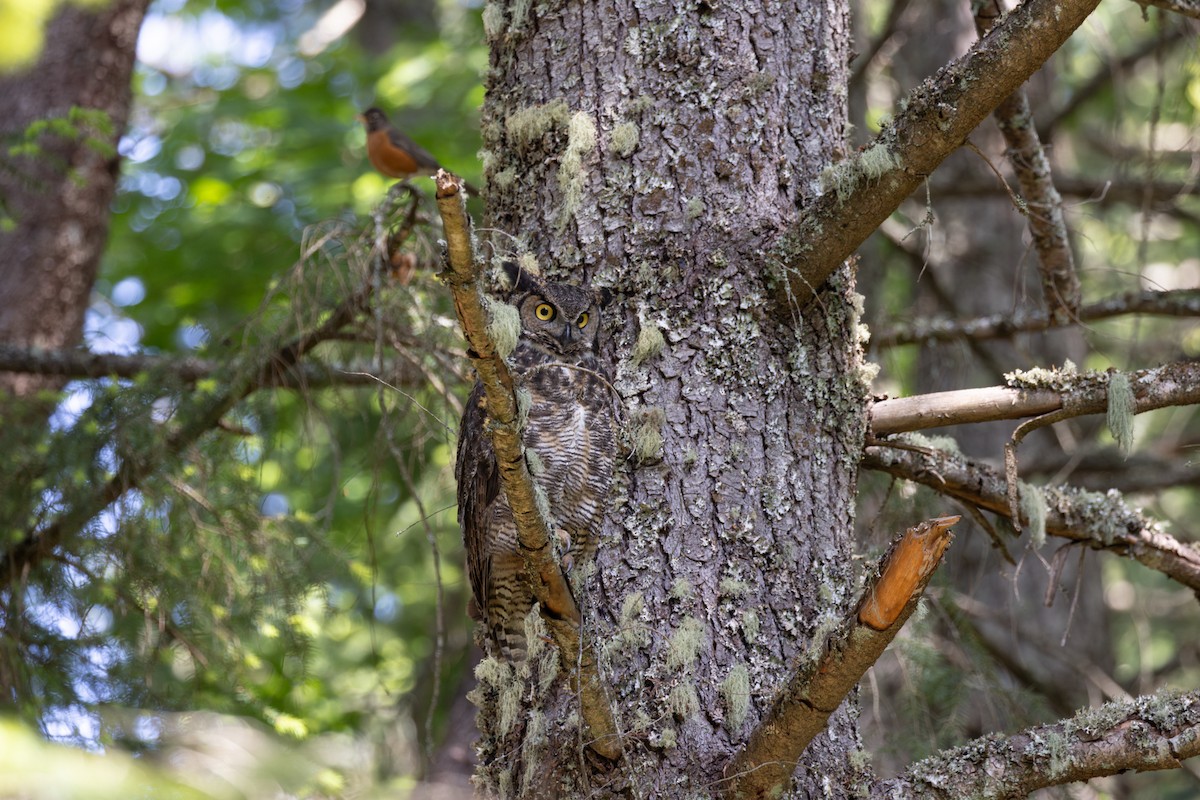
(374, 119)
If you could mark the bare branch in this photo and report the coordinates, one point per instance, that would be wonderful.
(1147, 733)
(937, 118)
(1174, 384)
(1120, 189)
(801, 710)
(1176, 303)
(863, 62)
(1104, 75)
(1109, 468)
(189, 369)
(1100, 521)
(545, 576)
(1043, 209)
(917, 413)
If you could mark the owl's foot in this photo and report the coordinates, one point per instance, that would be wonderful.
(564, 543)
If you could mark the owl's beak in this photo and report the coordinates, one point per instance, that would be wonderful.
(567, 335)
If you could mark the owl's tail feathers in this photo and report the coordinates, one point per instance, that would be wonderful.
(509, 636)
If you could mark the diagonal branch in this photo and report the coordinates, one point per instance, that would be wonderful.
(545, 576)
(937, 118)
(1100, 521)
(1175, 303)
(1174, 384)
(801, 710)
(1146, 733)
(1043, 204)
(199, 413)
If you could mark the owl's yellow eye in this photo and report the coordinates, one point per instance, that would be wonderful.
(582, 321)
(544, 312)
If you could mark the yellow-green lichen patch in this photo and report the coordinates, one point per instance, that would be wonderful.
(735, 692)
(650, 343)
(683, 701)
(750, 626)
(681, 589)
(1033, 508)
(503, 327)
(732, 588)
(631, 633)
(493, 20)
(527, 126)
(1122, 406)
(646, 434)
(581, 140)
(684, 645)
(624, 139)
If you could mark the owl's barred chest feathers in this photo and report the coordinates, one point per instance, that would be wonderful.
(571, 431)
(570, 447)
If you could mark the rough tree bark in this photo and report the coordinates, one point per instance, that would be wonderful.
(659, 149)
(59, 199)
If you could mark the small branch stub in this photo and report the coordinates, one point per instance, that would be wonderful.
(909, 564)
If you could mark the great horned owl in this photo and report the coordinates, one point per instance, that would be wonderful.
(570, 430)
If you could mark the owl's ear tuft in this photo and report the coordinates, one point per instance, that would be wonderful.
(520, 279)
(604, 296)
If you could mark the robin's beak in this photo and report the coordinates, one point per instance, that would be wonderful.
(361, 118)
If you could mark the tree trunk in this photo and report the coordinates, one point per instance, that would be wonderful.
(57, 204)
(59, 198)
(659, 150)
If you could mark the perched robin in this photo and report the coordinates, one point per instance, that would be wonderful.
(396, 155)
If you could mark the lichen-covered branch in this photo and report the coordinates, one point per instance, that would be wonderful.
(1147, 733)
(1043, 204)
(801, 709)
(1188, 8)
(1100, 521)
(1174, 384)
(860, 192)
(545, 576)
(1175, 303)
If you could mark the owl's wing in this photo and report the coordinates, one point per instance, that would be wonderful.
(478, 480)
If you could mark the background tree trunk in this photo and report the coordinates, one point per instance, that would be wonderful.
(659, 150)
(58, 204)
(59, 199)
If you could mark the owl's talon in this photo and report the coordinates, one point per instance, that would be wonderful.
(564, 544)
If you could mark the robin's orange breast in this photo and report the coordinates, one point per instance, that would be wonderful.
(389, 159)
